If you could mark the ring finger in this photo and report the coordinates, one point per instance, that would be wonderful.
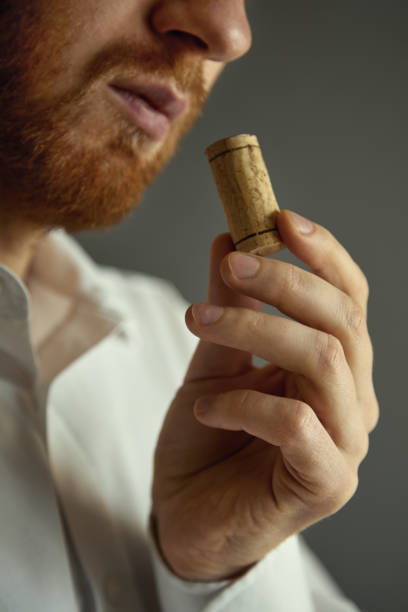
(297, 348)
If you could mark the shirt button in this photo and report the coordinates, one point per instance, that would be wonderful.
(114, 591)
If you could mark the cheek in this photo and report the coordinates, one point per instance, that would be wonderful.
(67, 34)
(64, 37)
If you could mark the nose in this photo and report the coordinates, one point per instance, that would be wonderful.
(217, 29)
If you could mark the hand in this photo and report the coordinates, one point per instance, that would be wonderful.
(249, 456)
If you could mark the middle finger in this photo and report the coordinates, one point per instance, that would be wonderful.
(311, 300)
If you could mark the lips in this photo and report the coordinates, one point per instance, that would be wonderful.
(151, 107)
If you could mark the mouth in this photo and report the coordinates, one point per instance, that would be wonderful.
(153, 108)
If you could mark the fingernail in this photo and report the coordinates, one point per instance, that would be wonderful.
(205, 314)
(304, 226)
(242, 265)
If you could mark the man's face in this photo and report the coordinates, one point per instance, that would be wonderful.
(76, 151)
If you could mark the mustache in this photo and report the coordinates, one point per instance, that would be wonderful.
(179, 66)
(176, 64)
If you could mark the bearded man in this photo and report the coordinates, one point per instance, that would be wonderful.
(109, 498)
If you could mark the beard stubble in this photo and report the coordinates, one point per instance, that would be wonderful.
(59, 169)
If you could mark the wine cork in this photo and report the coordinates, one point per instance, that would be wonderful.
(246, 192)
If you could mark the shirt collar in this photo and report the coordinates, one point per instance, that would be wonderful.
(64, 268)
(61, 264)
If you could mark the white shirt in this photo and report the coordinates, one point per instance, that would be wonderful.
(90, 359)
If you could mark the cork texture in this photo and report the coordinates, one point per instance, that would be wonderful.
(246, 192)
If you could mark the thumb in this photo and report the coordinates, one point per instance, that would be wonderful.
(213, 360)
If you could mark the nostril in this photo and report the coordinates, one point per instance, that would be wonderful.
(218, 31)
(185, 37)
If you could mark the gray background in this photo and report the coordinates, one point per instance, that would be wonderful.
(325, 90)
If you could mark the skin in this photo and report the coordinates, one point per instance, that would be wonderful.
(68, 156)
(278, 447)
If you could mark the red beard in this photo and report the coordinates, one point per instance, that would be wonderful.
(61, 164)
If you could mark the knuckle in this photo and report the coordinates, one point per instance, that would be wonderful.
(364, 287)
(364, 447)
(252, 322)
(290, 281)
(350, 486)
(355, 319)
(373, 413)
(358, 446)
(373, 420)
(299, 419)
(338, 492)
(330, 353)
(241, 401)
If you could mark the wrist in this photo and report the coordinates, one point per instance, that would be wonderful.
(194, 568)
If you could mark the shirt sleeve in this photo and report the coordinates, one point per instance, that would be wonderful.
(288, 579)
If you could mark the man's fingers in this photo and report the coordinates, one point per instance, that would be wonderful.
(315, 357)
(310, 300)
(332, 298)
(328, 259)
(212, 360)
(325, 256)
(309, 453)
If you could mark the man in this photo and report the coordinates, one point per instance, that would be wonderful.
(95, 96)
